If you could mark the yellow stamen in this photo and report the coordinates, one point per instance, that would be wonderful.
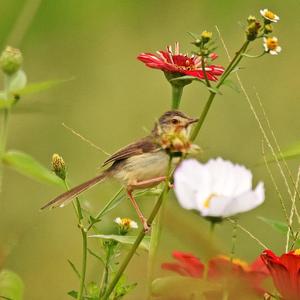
(297, 252)
(237, 262)
(208, 200)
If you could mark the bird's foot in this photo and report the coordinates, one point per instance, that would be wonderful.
(146, 226)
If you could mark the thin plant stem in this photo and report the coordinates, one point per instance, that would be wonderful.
(79, 214)
(249, 233)
(237, 58)
(3, 140)
(137, 242)
(105, 208)
(233, 240)
(279, 151)
(293, 209)
(155, 239)
(176, 95)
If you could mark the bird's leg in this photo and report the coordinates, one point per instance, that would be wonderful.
(139, 212)
(147, 183)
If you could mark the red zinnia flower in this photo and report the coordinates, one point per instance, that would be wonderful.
(285, 271)
(238, 277)
(176, 62)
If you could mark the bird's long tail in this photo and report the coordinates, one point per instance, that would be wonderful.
(67, 197)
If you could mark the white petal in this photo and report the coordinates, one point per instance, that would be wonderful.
(189, 178)
(118, 220)
(217, 207)
(246, 201)
(133, 224)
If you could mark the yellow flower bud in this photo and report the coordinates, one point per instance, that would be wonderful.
(58, 166)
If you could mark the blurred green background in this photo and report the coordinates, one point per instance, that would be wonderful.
(111, 101)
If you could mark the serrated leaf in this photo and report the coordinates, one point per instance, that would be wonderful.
(74, 268)
(181, 287)
(40, 86)
(278, 225)
(11, 285)
(125, 239)
(231, 84)
(28, 166)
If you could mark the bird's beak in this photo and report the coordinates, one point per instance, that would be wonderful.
(192, 121)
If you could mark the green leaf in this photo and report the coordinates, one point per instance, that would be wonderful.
(231, 84)
(186, 77)
(290, 152)
(74, 268)
(40, 86)
(181, 288)
(278, 225)
(6, 103)
(28, 166)
(11, 285)
(214, 90)
(125, 239)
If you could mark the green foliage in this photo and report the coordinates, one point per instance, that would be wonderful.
(125, 239)
(122, 288)
(277, 225)
(11, 286)
(181, 288)
(28, 166)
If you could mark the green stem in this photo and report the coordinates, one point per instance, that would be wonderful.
(138, 240)
(155, 239)
(108, 204)
(79, 214)
(105, 276)
(3, 140)
(233, 239)
(237, 58)
(211, 235)
(176, 95)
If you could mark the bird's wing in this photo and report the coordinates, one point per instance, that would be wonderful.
(144, 145)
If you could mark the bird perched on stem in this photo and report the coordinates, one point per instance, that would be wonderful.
(142, 164)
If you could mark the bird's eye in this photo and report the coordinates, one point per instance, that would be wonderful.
(175, 121)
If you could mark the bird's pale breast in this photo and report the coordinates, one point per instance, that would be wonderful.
(143, 167)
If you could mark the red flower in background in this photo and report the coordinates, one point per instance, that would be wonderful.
(238, 277)
(176, 62)
(285, 271)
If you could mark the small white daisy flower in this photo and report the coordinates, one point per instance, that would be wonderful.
(125, 224)
(218, 188)
(271, 45)
(268, 15)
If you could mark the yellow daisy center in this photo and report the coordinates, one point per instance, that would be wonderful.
(270, 15)
(272, 44)
(126, 222)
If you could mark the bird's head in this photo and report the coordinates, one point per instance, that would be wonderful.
(175, 121)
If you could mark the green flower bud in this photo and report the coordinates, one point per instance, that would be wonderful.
(11, 60)
(58, 166)
(252, 30)
(251, 19)
(268, 28)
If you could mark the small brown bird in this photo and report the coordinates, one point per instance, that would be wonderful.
(139, 165)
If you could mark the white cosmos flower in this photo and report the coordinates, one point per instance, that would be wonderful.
(271, 45)
(218, 188)
(269, 15)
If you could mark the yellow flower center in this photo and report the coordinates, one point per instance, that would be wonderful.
(237, 262)
(269, 15)
(126, 222)
(272, 44)
(296, 252)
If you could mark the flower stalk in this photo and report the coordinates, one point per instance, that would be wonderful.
(176, 95)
